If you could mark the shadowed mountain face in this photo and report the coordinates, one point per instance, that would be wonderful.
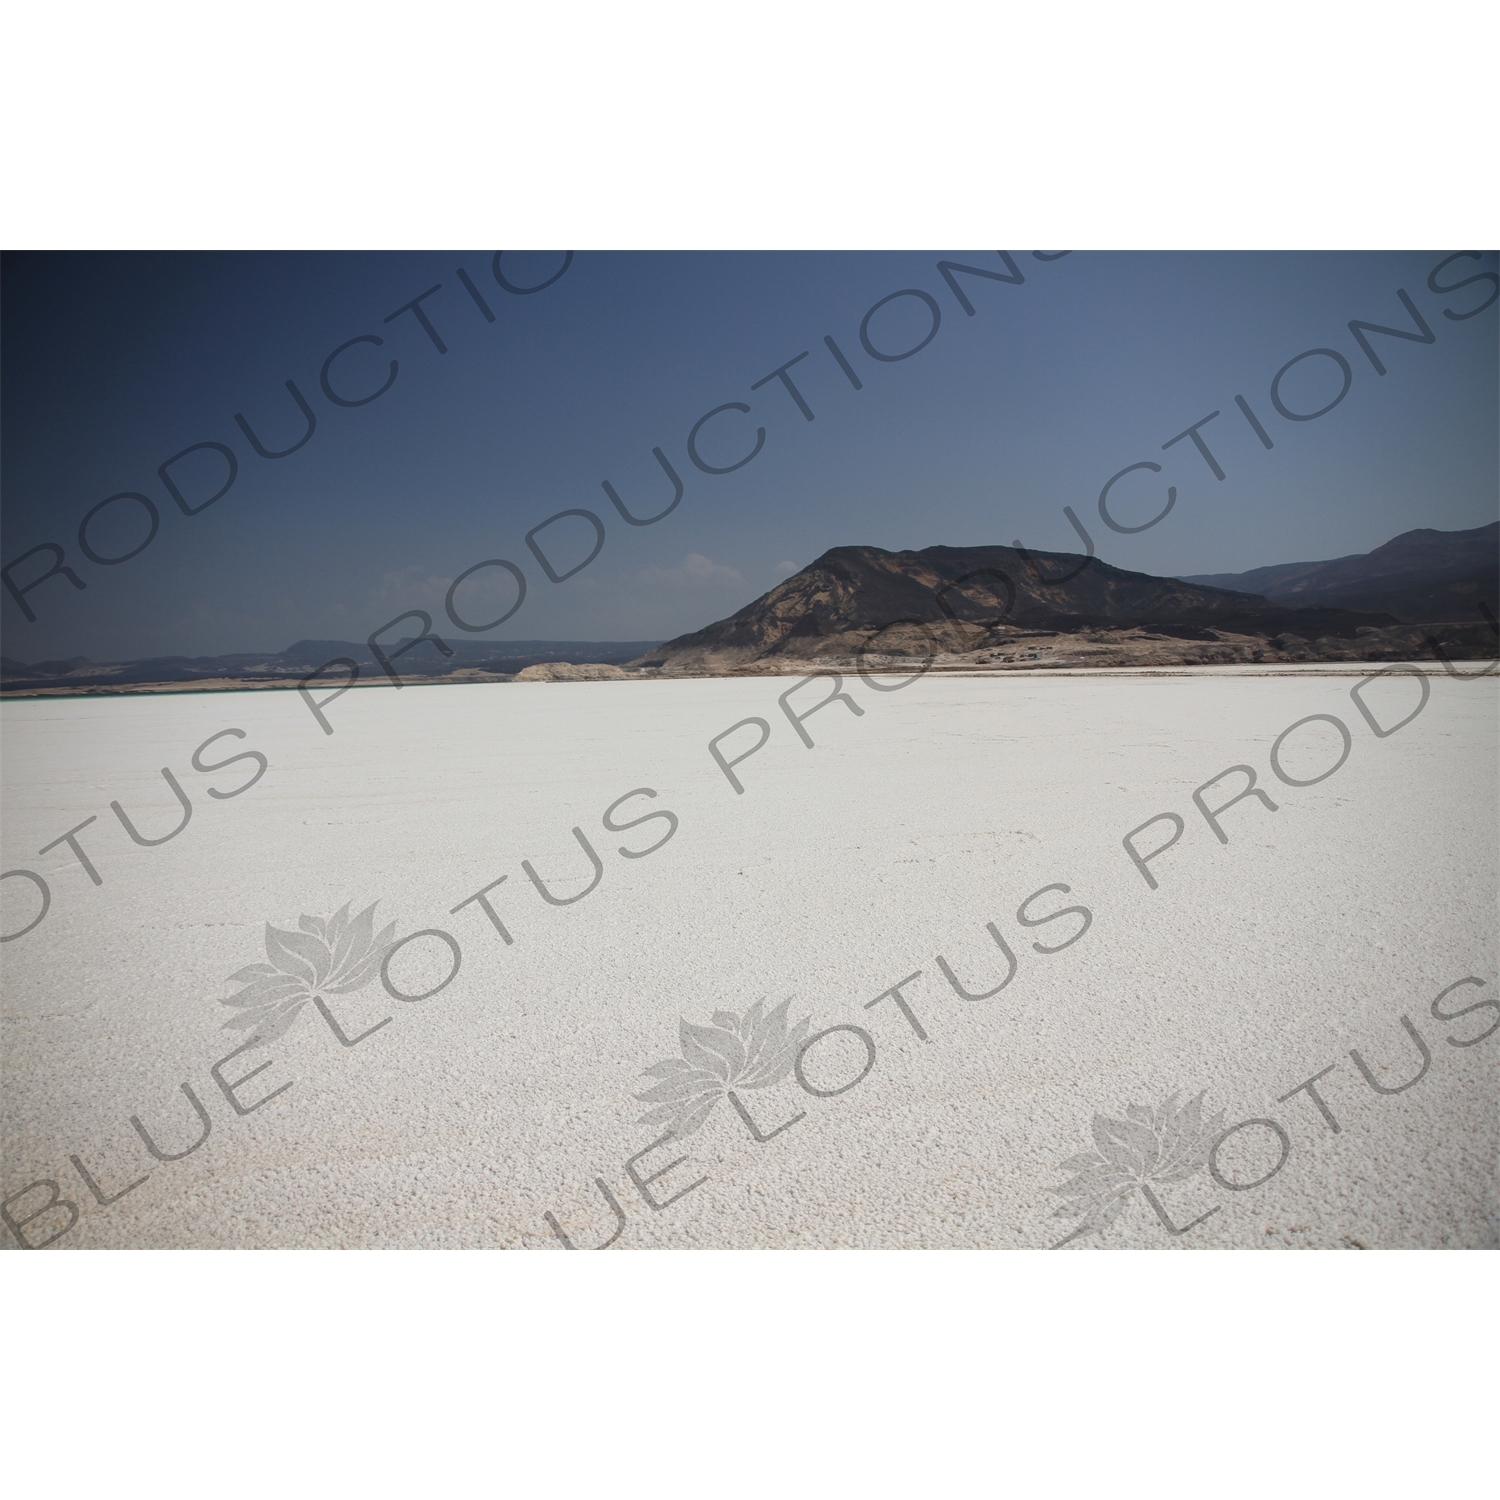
(836, 604)
(1418, 576)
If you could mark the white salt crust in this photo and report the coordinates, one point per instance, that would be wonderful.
(839, 871)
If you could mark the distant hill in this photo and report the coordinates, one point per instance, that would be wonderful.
(833, 606)
(979, 606)
(470, 659)
(1420, 576)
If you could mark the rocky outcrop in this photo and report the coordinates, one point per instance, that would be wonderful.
(563, 671)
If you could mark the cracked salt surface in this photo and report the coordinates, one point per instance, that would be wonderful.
(840, 871)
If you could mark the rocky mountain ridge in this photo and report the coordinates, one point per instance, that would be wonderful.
(967, 600)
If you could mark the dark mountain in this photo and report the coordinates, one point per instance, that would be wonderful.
(487, 658)
(834, 606)
(960, 601)
(1419, 576)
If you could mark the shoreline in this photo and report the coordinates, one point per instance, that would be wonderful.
(811, 667)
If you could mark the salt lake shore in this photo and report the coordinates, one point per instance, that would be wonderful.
(909, 647)
(1202, 955)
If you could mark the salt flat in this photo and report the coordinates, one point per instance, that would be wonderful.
(839, 872)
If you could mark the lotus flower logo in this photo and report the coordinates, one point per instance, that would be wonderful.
(1169, 1145)
(332, 957)
(751, 1051)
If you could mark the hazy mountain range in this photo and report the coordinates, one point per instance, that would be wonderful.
(470, 659)
(1419, 576)
(986, 606)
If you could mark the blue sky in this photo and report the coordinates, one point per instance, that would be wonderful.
(113, 363)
